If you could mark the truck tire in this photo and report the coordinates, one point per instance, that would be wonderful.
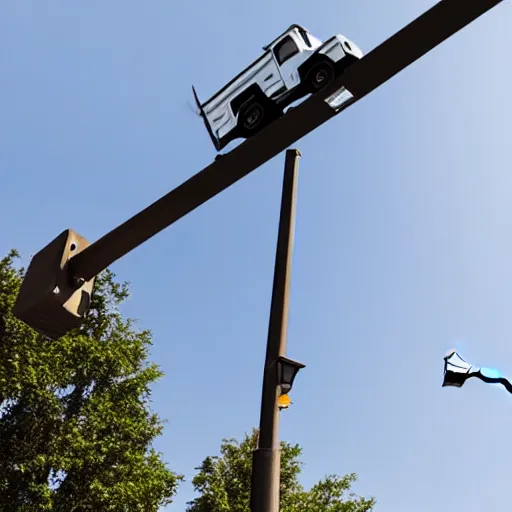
(319, 76)
(252, 117)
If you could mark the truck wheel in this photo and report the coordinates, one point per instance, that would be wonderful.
(253, 117)
(319, 76)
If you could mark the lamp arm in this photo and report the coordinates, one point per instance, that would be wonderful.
(492, 380)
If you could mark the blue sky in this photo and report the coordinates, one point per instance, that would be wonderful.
(403, 244)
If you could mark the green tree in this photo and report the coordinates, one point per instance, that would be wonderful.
(224, 483)
(76, 430)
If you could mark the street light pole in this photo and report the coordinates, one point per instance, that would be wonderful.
(266, 457)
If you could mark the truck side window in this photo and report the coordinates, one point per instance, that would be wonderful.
(285, 49)
(305, 36)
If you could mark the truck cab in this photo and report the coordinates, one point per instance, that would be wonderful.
(292, 66)
(291, 49)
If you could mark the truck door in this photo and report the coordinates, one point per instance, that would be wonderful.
(289, 56)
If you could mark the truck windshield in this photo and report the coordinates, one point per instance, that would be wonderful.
(285, 49)
(305, 36)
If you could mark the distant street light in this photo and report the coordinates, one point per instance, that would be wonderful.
(457, 372)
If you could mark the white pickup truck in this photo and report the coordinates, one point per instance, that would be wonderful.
(292, 66)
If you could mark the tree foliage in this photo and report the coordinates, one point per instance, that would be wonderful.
(76, 430)
(223, 483)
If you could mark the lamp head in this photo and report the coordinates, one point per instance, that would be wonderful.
(287, 370)
(456, 370)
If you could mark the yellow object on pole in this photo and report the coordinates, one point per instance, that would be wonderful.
(283, 402)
